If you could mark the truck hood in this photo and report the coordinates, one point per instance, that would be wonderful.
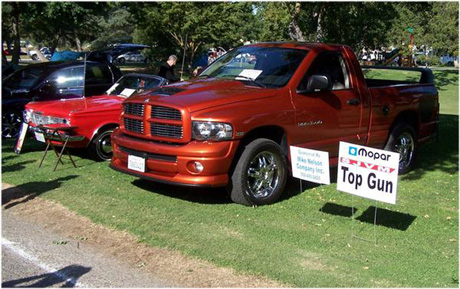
(64, 108)
(204, 93)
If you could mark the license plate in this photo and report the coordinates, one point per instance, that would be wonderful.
(136, 163)
(39, 136)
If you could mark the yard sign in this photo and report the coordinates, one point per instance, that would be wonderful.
(310, 165)
(368, 172)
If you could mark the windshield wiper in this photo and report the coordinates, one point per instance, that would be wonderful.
(250, 79)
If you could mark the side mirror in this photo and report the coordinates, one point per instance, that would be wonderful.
(317, 82)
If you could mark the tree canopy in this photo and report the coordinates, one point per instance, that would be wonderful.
(172, 27)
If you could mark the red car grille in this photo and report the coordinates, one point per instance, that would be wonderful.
(153, 121)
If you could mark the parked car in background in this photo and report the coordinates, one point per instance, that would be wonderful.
(132, 56)
(44, 50)
(51, 81)
(95, 117)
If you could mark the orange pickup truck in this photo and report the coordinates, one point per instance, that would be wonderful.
(233, 125)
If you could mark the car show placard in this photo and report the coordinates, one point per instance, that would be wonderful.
(368, 172)
(310, 165)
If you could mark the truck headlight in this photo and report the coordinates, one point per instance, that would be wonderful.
(211, 131)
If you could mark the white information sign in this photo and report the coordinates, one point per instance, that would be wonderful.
(40, 137)
(368, 172)
(250, 73)
(310, 165)
(136, 163)
(127, 92)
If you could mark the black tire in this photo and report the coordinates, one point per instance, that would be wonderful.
(403, 140)
(100, 147)
(121, 60)
(35, 57)
(260, 174)
(11, 124)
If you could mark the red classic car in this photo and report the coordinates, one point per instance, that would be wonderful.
(95, 118)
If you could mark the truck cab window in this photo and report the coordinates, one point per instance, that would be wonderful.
(331, 65)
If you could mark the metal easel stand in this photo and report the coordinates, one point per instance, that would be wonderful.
(353, 223)
(52, 134)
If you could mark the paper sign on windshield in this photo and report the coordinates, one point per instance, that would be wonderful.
(127, 92)
(250, 73)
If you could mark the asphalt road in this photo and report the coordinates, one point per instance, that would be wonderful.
(32, 256)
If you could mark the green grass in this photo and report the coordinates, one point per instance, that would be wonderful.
(304, 240)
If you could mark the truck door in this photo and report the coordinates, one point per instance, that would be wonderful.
(326, 116)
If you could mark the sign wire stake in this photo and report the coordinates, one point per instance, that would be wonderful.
(375, 224)
(353, 223)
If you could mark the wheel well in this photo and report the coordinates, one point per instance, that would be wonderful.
(103, 128)
(274, 133)
(408, 117)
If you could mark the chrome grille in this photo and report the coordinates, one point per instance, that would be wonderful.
(133, 125)
(166, 130)
(165, 113)
(134, 109)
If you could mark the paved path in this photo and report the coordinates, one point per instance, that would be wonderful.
(33, 256)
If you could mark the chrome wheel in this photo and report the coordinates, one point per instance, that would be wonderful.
(405, 146)
(11, 124)
(263, 175)
(403, 140)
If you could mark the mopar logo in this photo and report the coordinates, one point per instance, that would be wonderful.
(353, 151)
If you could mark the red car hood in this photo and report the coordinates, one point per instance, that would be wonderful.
(64, 108)
(204, 93)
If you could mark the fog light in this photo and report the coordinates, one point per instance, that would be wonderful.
(198, 167)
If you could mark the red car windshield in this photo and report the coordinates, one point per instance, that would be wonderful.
(128, 85)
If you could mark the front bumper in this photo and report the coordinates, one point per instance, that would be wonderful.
(74, 140)
(174, 163)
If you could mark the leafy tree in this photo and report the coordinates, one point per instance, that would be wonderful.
(171, 27)
(117, 27)
(64, 23)
(443, 28)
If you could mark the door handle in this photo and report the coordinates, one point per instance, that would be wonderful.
(354, 101)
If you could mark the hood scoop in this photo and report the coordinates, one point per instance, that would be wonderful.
(166, 91)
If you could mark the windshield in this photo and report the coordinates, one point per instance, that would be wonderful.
(260, 66)
(127, 85)
(24, 78)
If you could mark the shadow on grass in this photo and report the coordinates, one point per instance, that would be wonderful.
(23, 193)
(387, 218)
(16, 167)
(29, 145)
(445, 77)
(189, 194)
(338, 210)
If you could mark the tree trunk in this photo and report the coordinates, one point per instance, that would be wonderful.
(319, 28)
(78, 43)
(294, 30)
(16, 35)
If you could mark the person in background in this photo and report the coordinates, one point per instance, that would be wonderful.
(167, 70)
